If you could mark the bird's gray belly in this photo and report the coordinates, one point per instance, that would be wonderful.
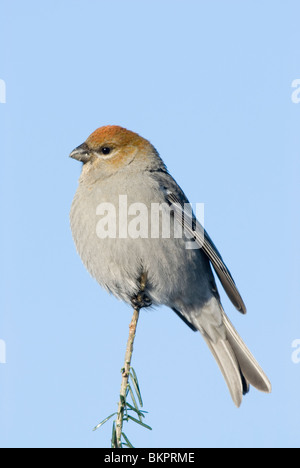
(175, 274)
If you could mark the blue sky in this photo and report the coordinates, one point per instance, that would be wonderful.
(210, 85)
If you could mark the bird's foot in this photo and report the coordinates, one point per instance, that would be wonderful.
(141, 300)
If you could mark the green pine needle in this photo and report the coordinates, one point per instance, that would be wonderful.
(132, 391)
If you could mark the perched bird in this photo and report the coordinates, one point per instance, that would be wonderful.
(120, 166)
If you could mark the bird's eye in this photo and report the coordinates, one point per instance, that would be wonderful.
(105, 150)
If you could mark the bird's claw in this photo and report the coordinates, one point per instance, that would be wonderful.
(141, 300)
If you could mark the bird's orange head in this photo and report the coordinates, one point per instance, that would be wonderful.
(110, 148)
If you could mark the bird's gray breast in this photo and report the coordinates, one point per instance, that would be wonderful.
(121, 229)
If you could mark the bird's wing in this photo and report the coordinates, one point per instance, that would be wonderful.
(175, 196)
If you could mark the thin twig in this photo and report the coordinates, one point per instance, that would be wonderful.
(127, 365)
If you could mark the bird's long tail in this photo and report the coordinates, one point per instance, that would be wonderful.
(238, 366)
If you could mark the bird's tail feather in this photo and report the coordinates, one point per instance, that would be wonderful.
(250, 368)
(238, 366)
(228, 364)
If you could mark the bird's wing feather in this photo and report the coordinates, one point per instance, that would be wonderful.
(176, 197)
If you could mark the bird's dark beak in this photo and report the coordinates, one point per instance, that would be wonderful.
(81, 153)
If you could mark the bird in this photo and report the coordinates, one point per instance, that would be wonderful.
(123, 178)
